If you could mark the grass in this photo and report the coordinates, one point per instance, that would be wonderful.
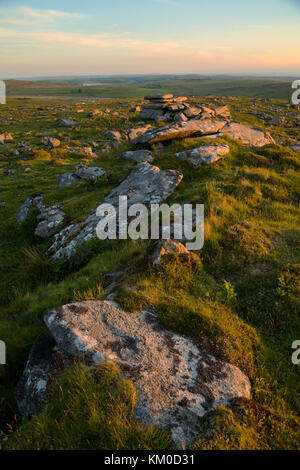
(239, 296)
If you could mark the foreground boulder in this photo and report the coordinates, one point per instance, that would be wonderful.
(246, 134)
(204, 155)
(178, 381)
(180, 130)
(146, 184)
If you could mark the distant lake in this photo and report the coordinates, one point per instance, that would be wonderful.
(92, 84)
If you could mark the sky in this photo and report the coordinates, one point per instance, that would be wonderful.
(106, 37)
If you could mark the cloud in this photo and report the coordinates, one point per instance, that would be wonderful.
(24, 15)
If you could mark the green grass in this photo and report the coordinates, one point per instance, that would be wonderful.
(239, 296)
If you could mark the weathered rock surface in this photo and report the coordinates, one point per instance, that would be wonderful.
(146, 184)
(178, 382)
(204, 155)
(33, 201)
(67, 179)
(134, 133)
(50, 221)
(223, 111)
(295, 148)
(139, 156)
(180, 131)
(246, 134)
(165, 247)
(43, 363)
(89, 173)
(50, 142)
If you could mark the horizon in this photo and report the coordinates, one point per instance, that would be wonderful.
(162, 37)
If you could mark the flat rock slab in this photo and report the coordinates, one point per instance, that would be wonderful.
(204, 155)
(246, 134)
(146, 184)
(177, 381)
(139, 156)
(180, 131)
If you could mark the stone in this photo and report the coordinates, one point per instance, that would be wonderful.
(51, 142)
(67, 123)
(179, 117)
(33, 201)
(135, 109)
(180, 131)
(114, 135)
(89, 173)
(139, 156)
(178, 381)
(223, 111)
(159, 97)
(204, 155)
(146, 184)
(44, 362)
(192, 112)
(165, 247)
(2, 204)
(5, 136)
(67, 179)
(134, 133)
(50, 221)
(246, 134)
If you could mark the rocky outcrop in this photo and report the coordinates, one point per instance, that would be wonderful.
(89, 173)
(165, 247)
(180, 131)
(204, 155)
(246, 134)
(50, 219)
(167, 108)
(177, 380)
(146, 184)
(139, 156)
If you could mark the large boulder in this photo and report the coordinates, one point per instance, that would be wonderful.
(146, 184)
(180, 131)
(204, 155)
(178, 381)
(246, 134)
